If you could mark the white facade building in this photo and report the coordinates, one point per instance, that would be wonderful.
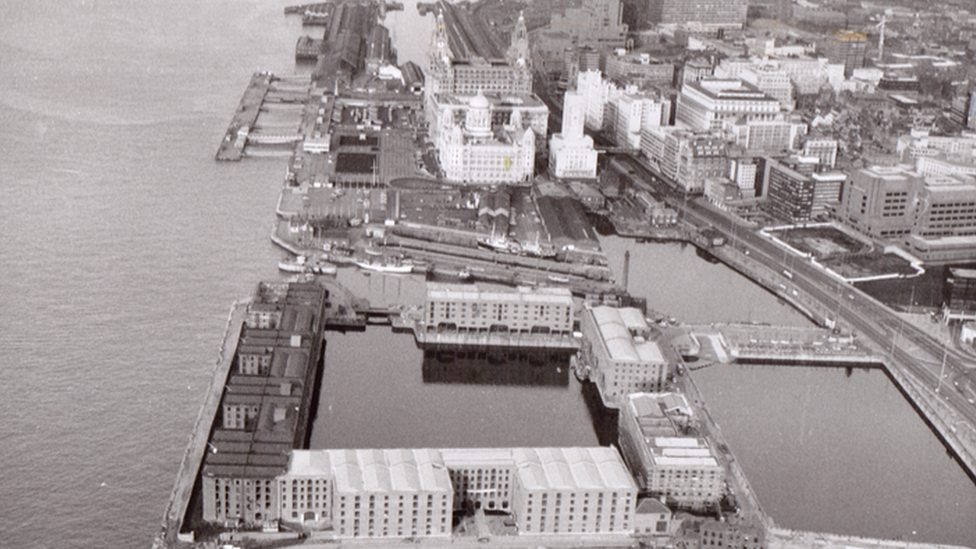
(571, 153)
(713, 102)
(369, 493)
(467, 307)
(773, 81)
(413, 493)
(617, 346)
(596, 93)
(471, 150)
(808, 74)
(628, 112)
(682, 469)
(572, 491)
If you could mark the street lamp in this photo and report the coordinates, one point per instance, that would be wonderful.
(945, 353)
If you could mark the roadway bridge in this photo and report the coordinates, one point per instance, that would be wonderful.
(784, 345)
(274, 138)
(617, 150)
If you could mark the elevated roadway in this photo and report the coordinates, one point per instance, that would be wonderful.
(939, 375)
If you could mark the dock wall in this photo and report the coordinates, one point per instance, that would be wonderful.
(938, 416)
(516, 341)
(960, 441)
(745, 496)
(781, 538)
(200, 436)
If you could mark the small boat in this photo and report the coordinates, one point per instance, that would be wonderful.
(301, 264)
(395, 268)
(297, 265)
(535, 249)
(557, 278)
(494, 245)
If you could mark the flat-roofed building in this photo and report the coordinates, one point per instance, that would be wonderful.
(825, 150)
(946, 208)
(617, 346)
(806, 73)
(960, 291)
(686, 157)
(523, 310)
(638, 68)
(790, 194)
(682, 469)
(846, 47)
(696, 70)
(770, 136)
(710, 13)
(711, 102)
(745, 535)
(880, 201)
(572, 491)
(593, 22)
(628, 112)
(827, 187)
(595, 91)
(772, 80)
(933, 217)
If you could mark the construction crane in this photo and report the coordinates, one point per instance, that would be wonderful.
(881, 36)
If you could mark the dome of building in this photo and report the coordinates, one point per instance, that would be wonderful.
(479, 101)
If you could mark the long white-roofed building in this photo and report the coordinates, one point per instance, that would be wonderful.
(572, 491)
(369, 493)
(403, 493)
(618, 348)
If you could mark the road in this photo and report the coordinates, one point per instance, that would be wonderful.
(908, 347)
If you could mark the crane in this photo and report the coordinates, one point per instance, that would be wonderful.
(881, 36)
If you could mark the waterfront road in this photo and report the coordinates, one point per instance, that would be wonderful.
(943, 370)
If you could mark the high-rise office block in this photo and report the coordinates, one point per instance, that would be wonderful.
(571, 153)
(730, 13)
(848, 48)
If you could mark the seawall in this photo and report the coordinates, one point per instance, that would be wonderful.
(200, 436)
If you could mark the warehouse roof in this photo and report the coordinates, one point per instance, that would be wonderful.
(571, 468)
(618, 328)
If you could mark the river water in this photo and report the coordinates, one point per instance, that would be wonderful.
(124, 244)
